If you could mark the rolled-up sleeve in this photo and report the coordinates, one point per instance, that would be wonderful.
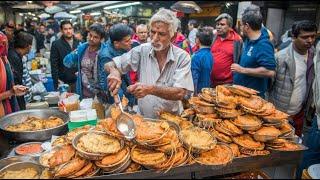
(183, 76)
(128, 61)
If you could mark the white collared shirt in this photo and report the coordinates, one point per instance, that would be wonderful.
(176, 73)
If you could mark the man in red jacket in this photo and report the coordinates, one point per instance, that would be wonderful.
(225, 50)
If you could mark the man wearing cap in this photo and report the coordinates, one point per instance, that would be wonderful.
(225, 49)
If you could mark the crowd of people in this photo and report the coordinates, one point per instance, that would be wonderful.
(157, 67)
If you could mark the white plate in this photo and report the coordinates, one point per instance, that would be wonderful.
(314, 171)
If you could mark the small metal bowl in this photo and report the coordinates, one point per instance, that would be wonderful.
(91, 156)
(22, 165)
(30, 154)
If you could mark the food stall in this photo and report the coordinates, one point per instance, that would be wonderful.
(225, 130)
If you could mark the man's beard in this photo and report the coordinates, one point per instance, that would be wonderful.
(67, 37)
(159, 48)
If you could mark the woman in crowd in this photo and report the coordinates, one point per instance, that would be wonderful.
(8, 91)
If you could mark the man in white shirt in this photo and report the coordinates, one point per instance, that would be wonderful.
(164, 70)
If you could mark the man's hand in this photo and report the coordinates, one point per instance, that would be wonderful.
(139, 90)
(114, 82)
(237, 68)
(19, 90)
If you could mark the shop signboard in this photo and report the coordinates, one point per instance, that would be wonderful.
(207, 12)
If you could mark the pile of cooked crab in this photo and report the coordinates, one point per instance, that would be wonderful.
(239, 118)
(221, 124)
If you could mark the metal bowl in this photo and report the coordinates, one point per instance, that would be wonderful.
(39, 135)
(88, 155)
(22, 165)
(14, 159)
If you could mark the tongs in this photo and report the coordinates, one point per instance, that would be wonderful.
(124, 122)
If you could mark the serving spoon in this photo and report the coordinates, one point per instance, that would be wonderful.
(124, 122)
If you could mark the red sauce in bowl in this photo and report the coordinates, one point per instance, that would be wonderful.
(29, 149)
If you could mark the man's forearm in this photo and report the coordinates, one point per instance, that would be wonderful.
(168, 93)
(110, 66)
(258, 72)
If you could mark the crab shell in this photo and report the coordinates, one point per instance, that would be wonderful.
(70, 167)
(207, 97)
(227, 126)
(246, 141)
(133, 167)
(147, 157)
(59, 155)
(87, 170)
(277, 116)
(254, 103)
(266, 134)
(220, 155)
(235, 149)
(227, 113)
(254, 152)
(220, 136)
(248, 122)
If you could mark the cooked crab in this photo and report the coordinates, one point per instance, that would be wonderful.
(198, 101)
(147, 157)
(70, 168)
(60, 141)
(197, 138)
(70, 135)
(219, 155)
(246, 141)
(207, 97)
(285, 128)
(227, 113)
(57, 156)
(225, 98)
(290, 146)
(183, 123)
(242, 91)
(228, 126)
(252, 104)
(188, 112)
(254, 152)
(235, 149)
(266, 134)
(115, 158)
(276, 117)
(248, 122)
(267, 108)
(220, 136)
(86, 170)
(208, 120)
(156, 130)
(133, 167)
(176, 159)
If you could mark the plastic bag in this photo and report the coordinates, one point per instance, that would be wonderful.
(69, 102)
(38, 88)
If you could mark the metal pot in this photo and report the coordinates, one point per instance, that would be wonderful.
(39, 135)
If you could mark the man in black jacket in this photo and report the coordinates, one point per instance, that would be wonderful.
(40, 37)
(59, 49)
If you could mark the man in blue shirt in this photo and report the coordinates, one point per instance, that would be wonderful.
(202, 60)
(257, 63)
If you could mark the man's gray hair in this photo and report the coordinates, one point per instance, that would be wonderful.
(141, 26)
(168, 17)
(227, 17)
